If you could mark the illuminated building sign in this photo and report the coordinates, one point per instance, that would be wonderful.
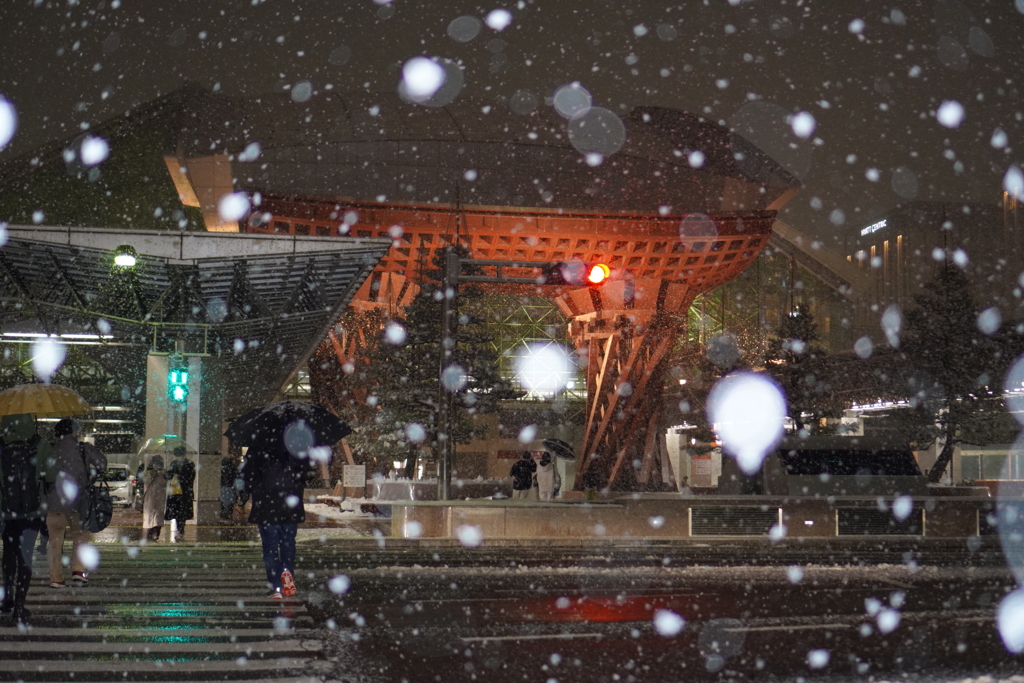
(874, 227)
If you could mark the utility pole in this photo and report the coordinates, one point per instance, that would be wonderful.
(450, 271)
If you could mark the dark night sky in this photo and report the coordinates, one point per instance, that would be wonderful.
(871, 73)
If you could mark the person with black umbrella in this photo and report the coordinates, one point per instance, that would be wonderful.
(277, 481)
(282, 439)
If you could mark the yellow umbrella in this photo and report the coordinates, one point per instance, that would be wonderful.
(165, 445)
(42, 400)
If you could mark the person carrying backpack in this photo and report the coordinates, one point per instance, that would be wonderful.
(228, 487)
(522, 475)
(21, 502)
(74, 467)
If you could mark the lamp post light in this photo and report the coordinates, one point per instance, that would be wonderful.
(125, 256)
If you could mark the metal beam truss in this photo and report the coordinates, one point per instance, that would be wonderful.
(261, 316)
(102, 375)
(520, 322)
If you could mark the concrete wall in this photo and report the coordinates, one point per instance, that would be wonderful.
(661, 516)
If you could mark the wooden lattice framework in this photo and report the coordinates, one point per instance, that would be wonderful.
(625, 328)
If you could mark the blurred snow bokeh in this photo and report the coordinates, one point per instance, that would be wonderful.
(8, 121)
(339, 584)
(667, 623)
(803, 124)
(1010, 621)
(544, 368)
(233, 207)
(818, 659)
(94, 150)
(415, 432)
(747, 410)
(395, 334)
(950, 114)
(469, 535)
(47, 357)
(499, 19)
(422, 77)
(89, 556)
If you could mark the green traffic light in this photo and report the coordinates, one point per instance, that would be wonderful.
(179, 393)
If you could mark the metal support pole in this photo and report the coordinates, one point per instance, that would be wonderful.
(449, 288)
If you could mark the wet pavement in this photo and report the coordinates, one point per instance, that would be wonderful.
(163, 613)
(443, 623)
(391, 610)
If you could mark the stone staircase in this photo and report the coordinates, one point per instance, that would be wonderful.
(163, 613)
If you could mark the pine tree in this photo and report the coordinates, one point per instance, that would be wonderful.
(796, 359)
(955, 370)
(391, 397)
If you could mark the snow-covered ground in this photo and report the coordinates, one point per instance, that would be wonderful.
(348, 510)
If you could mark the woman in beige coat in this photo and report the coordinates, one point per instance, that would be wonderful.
(154, 502)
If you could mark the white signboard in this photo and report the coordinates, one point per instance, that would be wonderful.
(354, 476)
(874, 227)
(701, 470)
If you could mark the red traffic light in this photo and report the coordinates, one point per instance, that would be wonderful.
(576, 274)
(599, 272)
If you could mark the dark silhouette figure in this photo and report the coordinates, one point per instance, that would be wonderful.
(179, 499)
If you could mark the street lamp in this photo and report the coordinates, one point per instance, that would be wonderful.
(125, 256)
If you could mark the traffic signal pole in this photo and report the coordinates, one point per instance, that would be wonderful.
(451, 276)
(450, 271)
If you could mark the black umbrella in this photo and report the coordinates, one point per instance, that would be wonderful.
(560, 449)
(297, 425)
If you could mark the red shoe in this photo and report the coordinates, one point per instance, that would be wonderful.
(288, 588)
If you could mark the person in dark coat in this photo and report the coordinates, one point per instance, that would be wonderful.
(277, 481)
(179, 505)
(522, 475)
(21, 502)
(228, 488)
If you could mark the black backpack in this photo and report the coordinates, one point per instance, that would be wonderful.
(97, 507)
(19, 488)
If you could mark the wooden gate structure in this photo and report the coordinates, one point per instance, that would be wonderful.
(624, 329)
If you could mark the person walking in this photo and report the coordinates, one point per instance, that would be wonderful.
(546, 476)
(277, 482)
(228, 489)
(154, 501)
(182, 476)
(685, 489)
(522, 475)
(140, 486)
(74, 466)
(21, 503)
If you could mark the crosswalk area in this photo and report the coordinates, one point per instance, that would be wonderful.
(163, 613)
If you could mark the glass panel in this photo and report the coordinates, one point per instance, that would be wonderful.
(992, 466)
(970, 466)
